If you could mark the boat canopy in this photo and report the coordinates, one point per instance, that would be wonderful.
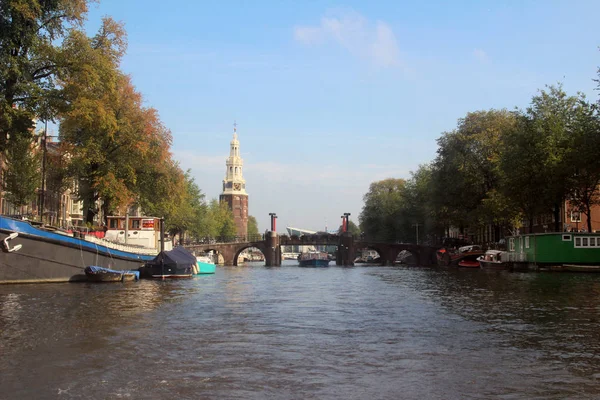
(178, 256)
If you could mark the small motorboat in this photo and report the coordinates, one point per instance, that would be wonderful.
(492, 259)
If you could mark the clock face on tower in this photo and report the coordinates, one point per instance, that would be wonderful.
(236, 186)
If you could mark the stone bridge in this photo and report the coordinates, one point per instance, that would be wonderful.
(347, 246)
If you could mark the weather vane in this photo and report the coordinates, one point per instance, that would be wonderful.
(234, 126)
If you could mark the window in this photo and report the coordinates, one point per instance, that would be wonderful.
(511, 244)
(135, 224)
(577, 242)
(584, 242)
(526, 242)
(567, 238)
(575, 216)
(592, 242)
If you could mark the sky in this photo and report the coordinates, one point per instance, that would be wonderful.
(330, 97)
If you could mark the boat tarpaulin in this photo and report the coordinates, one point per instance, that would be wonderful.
(177, 256)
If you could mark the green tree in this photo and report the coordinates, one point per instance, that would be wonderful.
(552, 113)
(584, 183)
(380, 217)
(189, 210)
(252, 227)
(466, 172)
(31, 57)
(220, 220)
(22, 176)
(536, 161)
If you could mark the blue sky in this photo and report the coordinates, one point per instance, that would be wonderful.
(331, 96)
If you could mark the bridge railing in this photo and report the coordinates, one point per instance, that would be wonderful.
(225, 239)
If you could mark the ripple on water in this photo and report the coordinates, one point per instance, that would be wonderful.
(289, 332)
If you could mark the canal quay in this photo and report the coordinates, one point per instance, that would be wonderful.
(256, 332)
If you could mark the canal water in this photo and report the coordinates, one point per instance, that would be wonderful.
(365, 332)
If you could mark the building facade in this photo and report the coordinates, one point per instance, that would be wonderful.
(234, 187)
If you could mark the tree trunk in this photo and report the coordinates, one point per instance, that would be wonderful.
(557, 219)
(588, 214)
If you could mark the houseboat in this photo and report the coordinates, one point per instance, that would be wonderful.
(34, 254)
(142, 232)
(565, 250)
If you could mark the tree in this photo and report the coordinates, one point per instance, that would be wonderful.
(115, 141)
(585, 181)
(189, 212)
(220, 220)
(466, 172)
(552, 114)
(252, 227)
(31, 56)
(22, 176)
(380, 217)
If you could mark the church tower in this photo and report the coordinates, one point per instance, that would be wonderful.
(234, 187)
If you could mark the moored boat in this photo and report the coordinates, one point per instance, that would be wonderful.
(173, 264)
(466, 256)
(565, 251)
(95, 273)
(493, 259)
(314, 259)
(34, 255)
(205, 265)
(469, 263)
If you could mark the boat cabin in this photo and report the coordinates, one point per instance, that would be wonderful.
(135, 231)
(555, 248)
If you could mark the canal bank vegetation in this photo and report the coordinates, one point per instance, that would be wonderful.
(495, 173)
(112, 152)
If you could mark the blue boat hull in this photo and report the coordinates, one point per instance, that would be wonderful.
(205, 268)
(51, 257)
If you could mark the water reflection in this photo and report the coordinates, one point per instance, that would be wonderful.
(290, 332)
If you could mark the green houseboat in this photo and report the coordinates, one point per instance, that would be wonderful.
(568, 250)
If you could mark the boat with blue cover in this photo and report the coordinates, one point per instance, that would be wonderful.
(31, 254)
(95, 273)
(174, 264)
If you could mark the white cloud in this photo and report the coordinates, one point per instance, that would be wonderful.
(374, 42)
(481, 55)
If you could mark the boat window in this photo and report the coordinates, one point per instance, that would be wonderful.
(135, 224)
(577, 242)
(567, 238)
(584, 242)
(592, 242)
(113, 224)
(526, 242)
(511, 244)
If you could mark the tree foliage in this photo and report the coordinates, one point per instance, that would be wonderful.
(252, 227)
(220, 221)
(30, 59)
(22, 176)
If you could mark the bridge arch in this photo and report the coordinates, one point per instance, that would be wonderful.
(240, 249)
